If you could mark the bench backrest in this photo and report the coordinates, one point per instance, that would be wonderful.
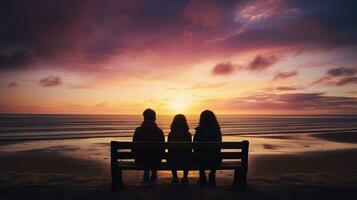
(229, 150)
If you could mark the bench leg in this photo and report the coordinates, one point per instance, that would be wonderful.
(240, 179)
(236, 178)
(117, 180)
(243, 180)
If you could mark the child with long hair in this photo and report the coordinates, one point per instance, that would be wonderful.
(179, 133)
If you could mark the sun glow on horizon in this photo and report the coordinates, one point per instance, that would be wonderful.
(178, 106)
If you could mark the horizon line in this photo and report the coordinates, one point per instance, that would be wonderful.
(243, 114)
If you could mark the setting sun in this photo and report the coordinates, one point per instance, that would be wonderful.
(178, 106)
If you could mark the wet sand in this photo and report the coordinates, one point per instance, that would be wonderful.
(38, 174)
(339, 137)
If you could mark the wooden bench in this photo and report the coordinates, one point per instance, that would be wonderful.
(234, 156)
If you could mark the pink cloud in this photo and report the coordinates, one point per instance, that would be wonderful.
(342, 71)
(106, 38)
(258, 64)
(207, 13)
(223, 69)
(285, 75)
(12, 84)
(339, 76)
(261, 63)
(265, 10)
(51, 81)
(292, 102)
(286, 88)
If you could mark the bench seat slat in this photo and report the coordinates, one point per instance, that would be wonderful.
(129, 165)
(178, 145)
(192, 156)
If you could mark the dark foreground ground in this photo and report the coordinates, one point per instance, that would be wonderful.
(39, 175)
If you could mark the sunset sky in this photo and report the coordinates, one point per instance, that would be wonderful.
(230, 56)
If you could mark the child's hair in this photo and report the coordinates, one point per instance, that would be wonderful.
(208, 120)
(179, 123)
(149, 115)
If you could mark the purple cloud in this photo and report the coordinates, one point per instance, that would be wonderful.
(12, 84)
(96, 34)
(339, 76)
(285, 23)
(285, 75)
(206, 13)
(286, 88)
(346, 80)
(51, 81)
(342, 71)
(261, 63)
(290, 102)
(223, 69)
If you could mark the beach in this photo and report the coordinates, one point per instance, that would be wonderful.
(319, 175)
(284, 165)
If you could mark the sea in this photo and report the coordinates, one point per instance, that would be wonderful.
(51, 127)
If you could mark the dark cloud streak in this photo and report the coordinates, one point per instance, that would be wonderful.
(12, 84)
(339, 77)
(286, 88)
(51, 81)
(293, 102)
(285, 75)
(260, 63)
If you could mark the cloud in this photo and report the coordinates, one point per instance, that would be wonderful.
(89, 39)
(223, 69)
(339, 77)
(94, 41)
(269, 24)
(104, 38)
(51, 81)
(285, 88)
(12, 84)
(260, 63)
(342, 71)
(293, 102)
(207, 13)
(262, 11)
(346, 80)
(285, 75)
(16, 60)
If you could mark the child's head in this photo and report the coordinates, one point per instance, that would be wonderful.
(208, 120)
(179, 123)
(149, 115)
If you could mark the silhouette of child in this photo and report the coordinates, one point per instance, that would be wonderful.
(179, 132)
(208, 130)
(148, 132)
